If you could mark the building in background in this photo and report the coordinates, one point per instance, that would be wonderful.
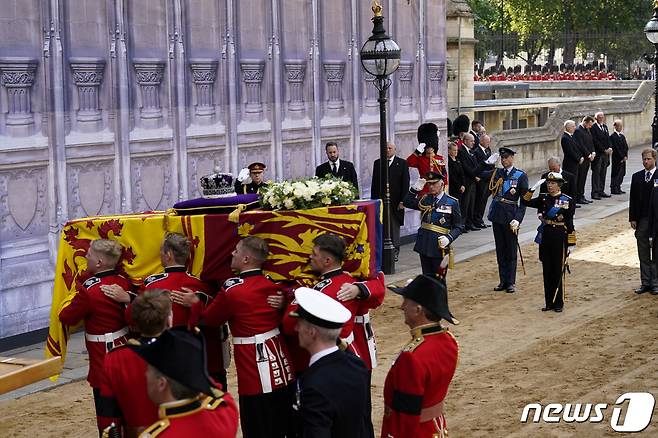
(116, 106)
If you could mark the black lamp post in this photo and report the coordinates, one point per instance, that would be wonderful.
(651, 31)
(380, 56)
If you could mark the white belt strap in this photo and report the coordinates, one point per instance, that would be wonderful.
(257, 339)
(349, 339)
(107, 337)
(362, 319)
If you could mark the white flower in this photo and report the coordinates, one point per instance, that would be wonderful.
(288, 203)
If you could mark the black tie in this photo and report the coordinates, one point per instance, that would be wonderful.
(334, 170)
(647, 177)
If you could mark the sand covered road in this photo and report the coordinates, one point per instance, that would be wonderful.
(511, 353)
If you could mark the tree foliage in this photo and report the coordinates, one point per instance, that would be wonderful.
(610, 27)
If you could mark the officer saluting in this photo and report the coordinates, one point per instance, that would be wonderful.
(507, 185)
(441, 222)
(555, 234)
(177, 380)
(418, 381)
(250, 179)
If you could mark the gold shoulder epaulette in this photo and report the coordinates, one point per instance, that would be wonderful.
(413, 344)
(212, 403)
(155, 429)
(528, 195)
(571, 238)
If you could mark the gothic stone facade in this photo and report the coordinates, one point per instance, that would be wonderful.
(112, 106)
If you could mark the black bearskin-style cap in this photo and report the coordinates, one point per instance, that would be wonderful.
(430, 293)
(461, 124)
(428, 133)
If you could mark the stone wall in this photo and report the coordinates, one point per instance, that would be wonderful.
(111, 106)
(536, 145)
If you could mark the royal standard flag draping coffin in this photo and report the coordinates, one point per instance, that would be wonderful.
(140, 235)
(289, 235)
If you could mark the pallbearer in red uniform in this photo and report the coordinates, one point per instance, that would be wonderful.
(418, 381)
(176, 377)
(105, 324)
(261, 356)
(175, 253)
(326, 260)
(426, 157)
(124, 398)
(370, 294)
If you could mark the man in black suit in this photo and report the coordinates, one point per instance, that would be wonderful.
(583, 137)
(619, 158)
(482, 152)
(398, 177)
(572, 156)
(642, 183)
(601, 140)
(471, 175)
(343, 169)
(476, 128)
(456, 171)
(568, 186)
(332, 394)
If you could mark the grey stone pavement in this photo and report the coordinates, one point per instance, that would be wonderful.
(466, 246)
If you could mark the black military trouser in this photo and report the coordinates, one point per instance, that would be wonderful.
(267, 415)
(506, 243)
(582, 179)
(597, 182)
(552, 253)
(468, 205)
(617, 175)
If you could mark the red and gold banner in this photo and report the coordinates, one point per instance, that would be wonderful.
(289, 235)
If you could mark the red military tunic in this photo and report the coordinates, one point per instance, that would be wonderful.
(208, 417)
(329, 284)
(418, 382)
(424, 164)
(125, 400)
(176, 278)
(102, 316)
(261, 356)
(364, 337)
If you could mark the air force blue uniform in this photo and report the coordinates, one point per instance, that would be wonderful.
(440, 216)
(507, 188)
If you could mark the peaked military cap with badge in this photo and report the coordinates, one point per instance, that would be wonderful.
(320, 309)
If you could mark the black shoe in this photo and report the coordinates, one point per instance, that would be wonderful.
(546, 309)
(511, 289)
(654, 291)
(578, 205)
(621, 192)
(500, 287)
(615, 192)
(642, 289)
(604, 195)
(596, 197)
(464, 231)
(481, 226)
(558, 309)
(471, 228)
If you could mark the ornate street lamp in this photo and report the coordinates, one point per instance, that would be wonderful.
(651, 31)
(380, 56)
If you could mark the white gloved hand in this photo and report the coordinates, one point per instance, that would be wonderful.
(514, 225)
(581, 160)
(421, 148)
(419, 185)
(593, 155)
(492, 159)
(243, 175)
(444, 241)
(537, 184)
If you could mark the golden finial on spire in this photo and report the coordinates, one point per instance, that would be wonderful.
(377, 8)
(655, 4)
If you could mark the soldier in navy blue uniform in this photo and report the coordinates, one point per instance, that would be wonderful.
(441, 222)
(554, 235)
(250, 179)
(507, 185)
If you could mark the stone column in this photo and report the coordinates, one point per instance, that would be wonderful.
(149, 74)
(405, 75)
(17, 76)
(295, 72)
(252, 75)
(204, 73)
(88, 76)
(435, 71)
(335, 71)
(372, 94)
